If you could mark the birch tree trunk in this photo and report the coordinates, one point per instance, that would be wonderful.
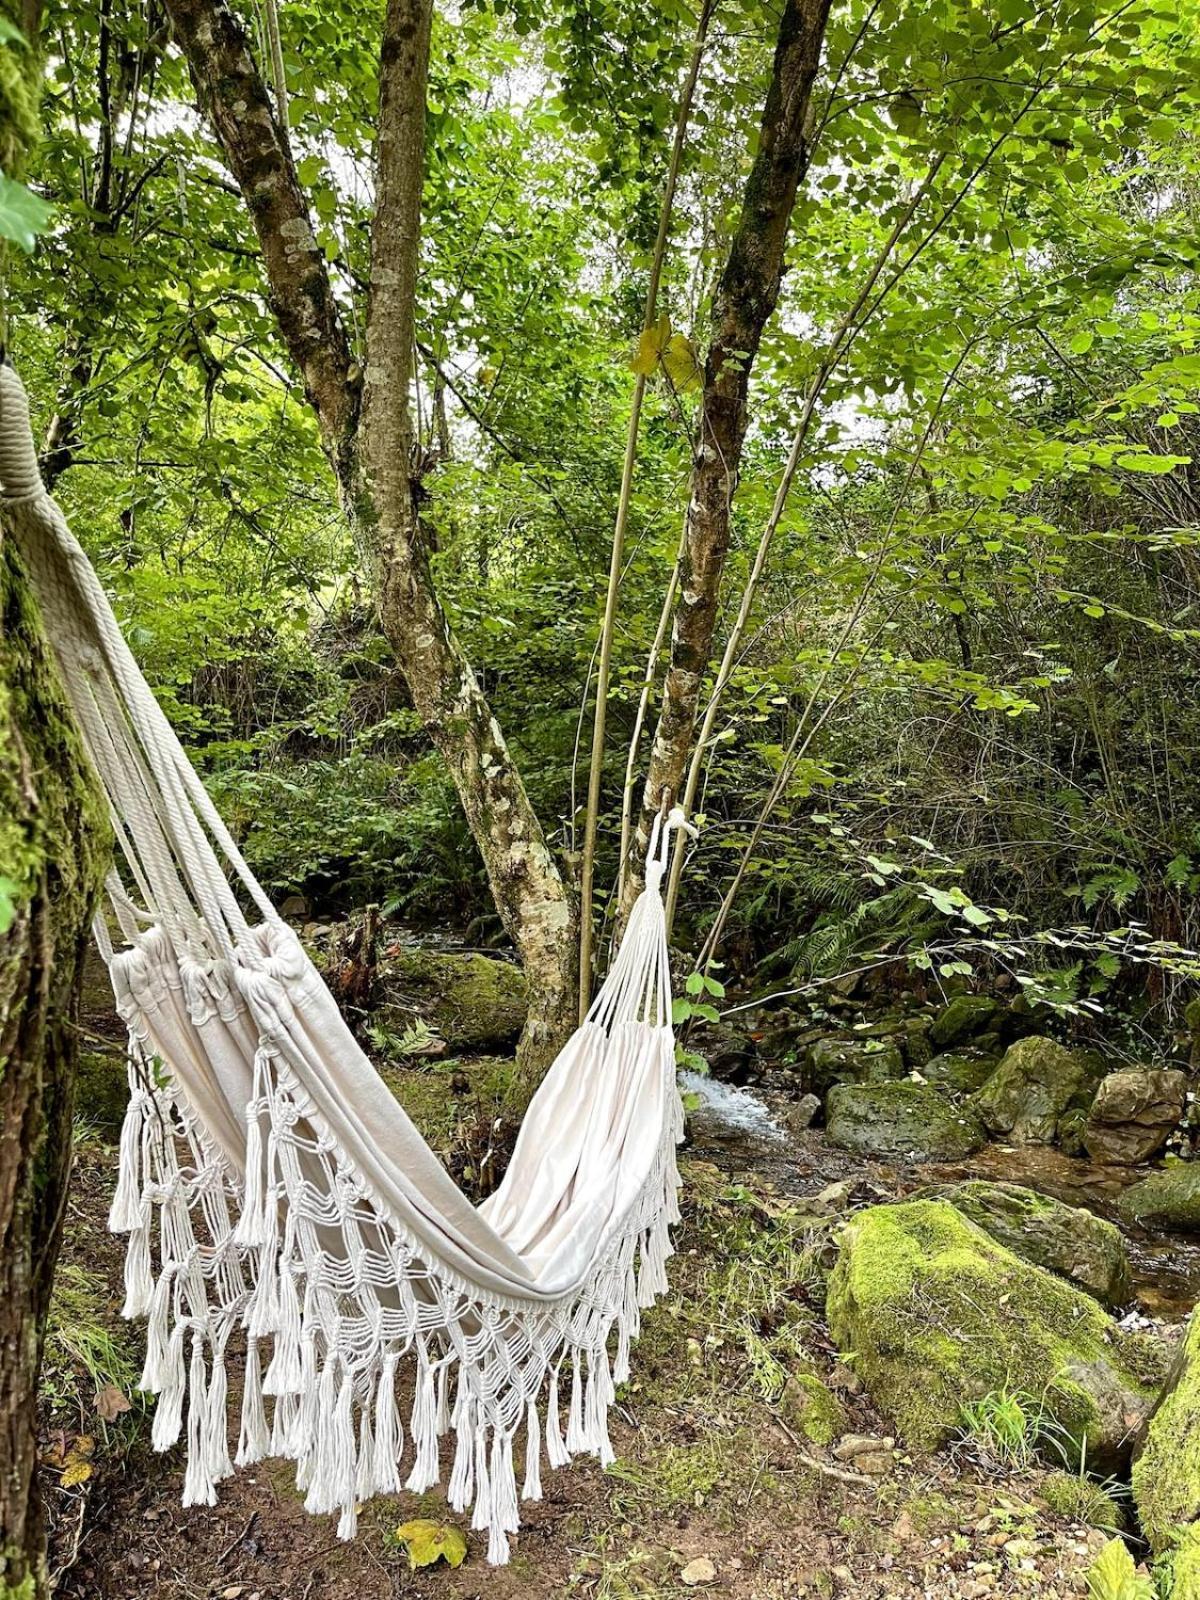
(53, 847)
(367, 430)
(745, 299)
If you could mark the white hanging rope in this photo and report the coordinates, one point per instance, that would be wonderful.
(269, 1183)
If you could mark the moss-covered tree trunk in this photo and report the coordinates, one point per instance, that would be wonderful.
(52, 850)
(53, 843)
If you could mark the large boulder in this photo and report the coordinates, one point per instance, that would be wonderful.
(961, 1071)
(472, 1001)
(833, 1061)
(1166, 1474)
(966, 1016)
(1133, 1115)
(1036, 1091)
(935, 1312)
(900, 1121)
(1166, 1199)
(1069, 1241)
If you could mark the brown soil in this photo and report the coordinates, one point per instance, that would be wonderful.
(707, 1467)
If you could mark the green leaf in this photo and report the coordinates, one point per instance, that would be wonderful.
(429, 1542)
(1082, 342)
(23, 214)
(8, 903)
(1114, 1576)
(1151, 463)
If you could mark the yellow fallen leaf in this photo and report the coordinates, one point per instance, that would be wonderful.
(427, 1542)
(76, 1468)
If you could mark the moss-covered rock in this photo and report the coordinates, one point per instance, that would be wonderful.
(811, 1408)
(1166, 1199)
(965, 1016)
(1069, 1241)
(1166, 1474)
(960, 1071)
(101, 1088)
(902, 1121)
(933, 1311)
(1035, 1090)
(472, 1001)
(832, 1061)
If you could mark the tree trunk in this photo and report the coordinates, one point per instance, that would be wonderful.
(526, 884)
(53, 847)
(368, 434)
(745, 299)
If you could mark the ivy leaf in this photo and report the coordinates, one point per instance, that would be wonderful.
(23, 214)
(429, 1542)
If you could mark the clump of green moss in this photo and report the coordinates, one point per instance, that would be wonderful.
(1183, 1566)
(1166, 1476)
(934, 1312)
(1076, 1498)
(810, 1407)
(472, 1001)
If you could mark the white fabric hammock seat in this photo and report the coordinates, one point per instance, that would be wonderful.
(269, 1181)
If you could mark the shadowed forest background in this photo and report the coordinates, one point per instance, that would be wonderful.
(946, 887)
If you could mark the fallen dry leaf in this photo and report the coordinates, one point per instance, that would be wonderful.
(110, 1403)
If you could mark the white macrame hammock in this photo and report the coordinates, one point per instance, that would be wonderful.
(270, 1182)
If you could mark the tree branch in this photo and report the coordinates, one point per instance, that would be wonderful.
(744, 302)
(235, 99)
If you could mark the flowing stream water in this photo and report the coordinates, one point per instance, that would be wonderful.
(746, 1129)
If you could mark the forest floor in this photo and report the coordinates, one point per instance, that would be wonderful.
(711, 1467)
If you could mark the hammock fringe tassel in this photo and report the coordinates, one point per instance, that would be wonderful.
(324, 1362)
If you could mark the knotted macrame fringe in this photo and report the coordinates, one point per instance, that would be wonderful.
(318, 1387)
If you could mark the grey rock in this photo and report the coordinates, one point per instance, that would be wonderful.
(833, 1061)
(962, 1071)
(472, 1001)
(732, 1055)
(965, 1016)
(1067, 1240)
(1168, 1199)
(1036, 1087)
(804, 1112)
(905, 1121)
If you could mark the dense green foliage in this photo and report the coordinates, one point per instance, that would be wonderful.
(978, 632)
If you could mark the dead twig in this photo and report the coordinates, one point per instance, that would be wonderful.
(241, 1539)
